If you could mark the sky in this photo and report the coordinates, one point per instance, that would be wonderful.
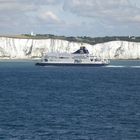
(94, 18)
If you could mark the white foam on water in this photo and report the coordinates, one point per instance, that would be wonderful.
(115, 66)
(120, 66)
(134, 66)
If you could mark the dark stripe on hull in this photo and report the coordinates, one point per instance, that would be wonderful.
(70, 64)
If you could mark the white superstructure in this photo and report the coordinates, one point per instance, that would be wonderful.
(80, 57)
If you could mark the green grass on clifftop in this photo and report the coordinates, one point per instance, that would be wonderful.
(80, 39)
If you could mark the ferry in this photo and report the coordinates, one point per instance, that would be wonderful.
(79, 58)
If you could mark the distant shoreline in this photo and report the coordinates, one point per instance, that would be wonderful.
(39, 59)
(19, 60)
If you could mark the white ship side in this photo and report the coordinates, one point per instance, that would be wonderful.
(79, 58)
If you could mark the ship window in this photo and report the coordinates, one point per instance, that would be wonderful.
(77, 61)
(46, 60)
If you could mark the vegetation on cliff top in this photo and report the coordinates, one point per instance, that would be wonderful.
(80, 39)
(85, 39)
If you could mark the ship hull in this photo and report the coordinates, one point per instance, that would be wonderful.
(72, 64)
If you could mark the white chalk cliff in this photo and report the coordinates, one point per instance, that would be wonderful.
(14, 48)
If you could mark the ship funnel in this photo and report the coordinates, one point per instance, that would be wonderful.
(82, 50)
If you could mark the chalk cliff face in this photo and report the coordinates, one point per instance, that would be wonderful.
(14, 48)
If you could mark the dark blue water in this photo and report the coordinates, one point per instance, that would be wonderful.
(60, 103)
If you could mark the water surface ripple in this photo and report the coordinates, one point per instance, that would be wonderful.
(60, 103)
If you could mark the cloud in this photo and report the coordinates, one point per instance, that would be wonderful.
(25, 5)
(67, 17)
(109, 10)
(49, 2)
(17, 12)
(49, 17)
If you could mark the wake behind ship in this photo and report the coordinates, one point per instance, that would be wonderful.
(79, 58)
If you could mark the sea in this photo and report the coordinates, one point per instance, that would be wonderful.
(69, 103)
